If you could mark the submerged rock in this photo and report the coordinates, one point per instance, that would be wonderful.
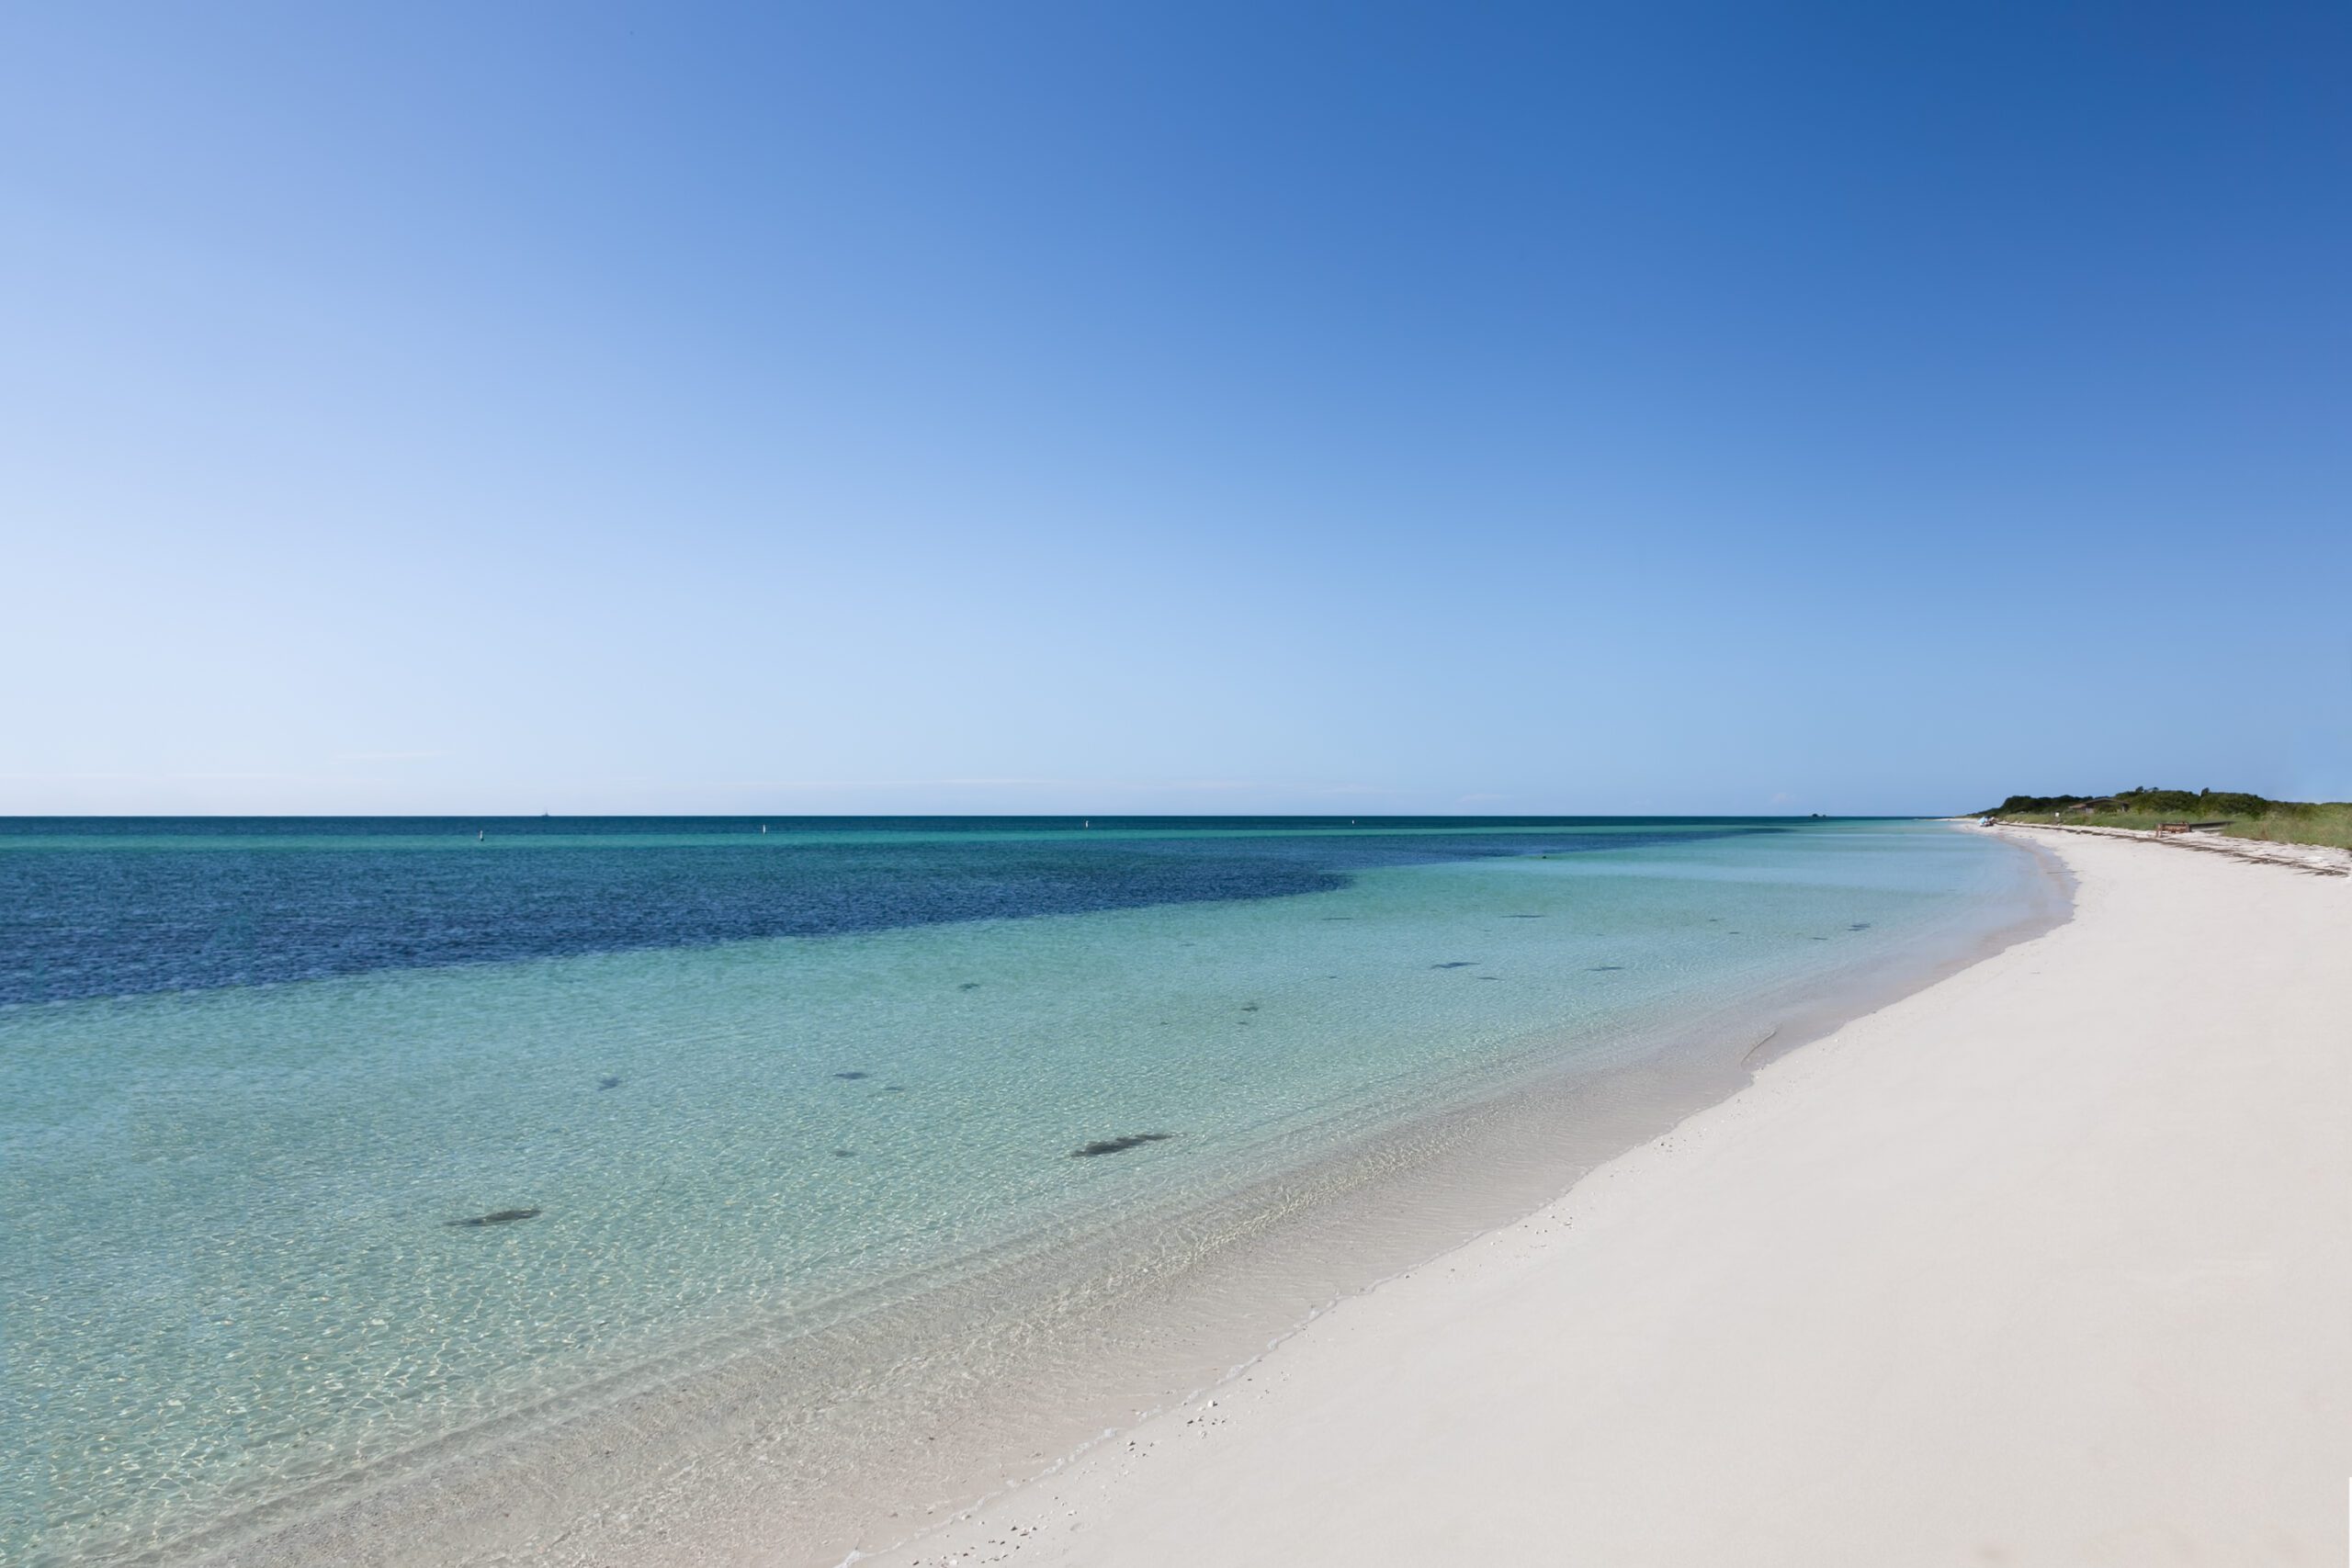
(1457, 964)
(851, 1077)
(609, 1083)
(502, 1217)
(1118, 1145)
(969, 986)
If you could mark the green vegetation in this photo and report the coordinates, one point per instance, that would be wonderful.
(2245, 816)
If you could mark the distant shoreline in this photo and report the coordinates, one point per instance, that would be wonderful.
(2321, 860)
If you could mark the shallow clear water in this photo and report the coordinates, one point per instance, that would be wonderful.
(738, 1078)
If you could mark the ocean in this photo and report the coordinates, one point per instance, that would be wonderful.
(339, 1158)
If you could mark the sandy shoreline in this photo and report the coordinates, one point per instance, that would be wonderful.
(2050, 1262)
(782, 1445)
(2319, 860)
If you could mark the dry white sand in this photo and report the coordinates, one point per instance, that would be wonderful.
(2049, 1263)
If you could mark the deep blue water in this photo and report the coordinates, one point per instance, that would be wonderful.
(94, 906)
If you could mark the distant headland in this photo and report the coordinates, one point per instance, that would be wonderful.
(2233, 812)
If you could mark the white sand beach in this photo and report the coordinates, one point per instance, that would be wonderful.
(2048, 1263)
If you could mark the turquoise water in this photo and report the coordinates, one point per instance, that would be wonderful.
(231, 1263)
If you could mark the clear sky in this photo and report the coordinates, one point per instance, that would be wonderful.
(1085, 407)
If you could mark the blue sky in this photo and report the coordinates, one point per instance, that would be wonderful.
(912, 408)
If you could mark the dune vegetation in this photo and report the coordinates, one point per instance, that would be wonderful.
(2230, 811)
